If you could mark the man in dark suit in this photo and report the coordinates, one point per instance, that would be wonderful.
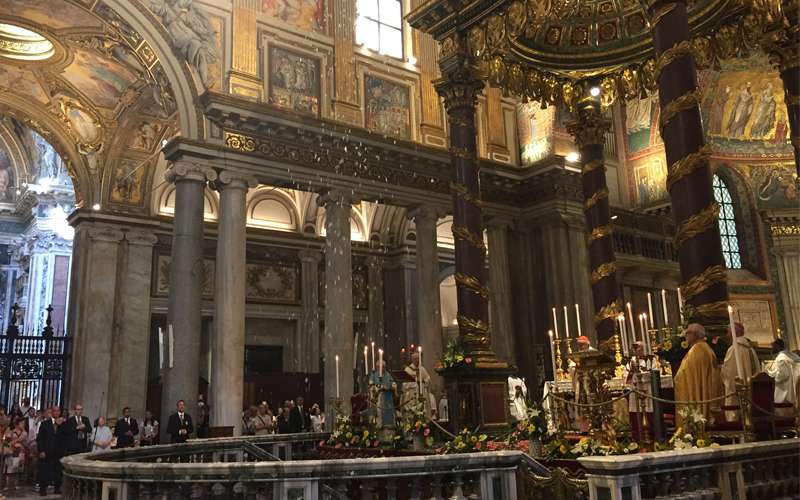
(50, 443)
(126, 429)
(77, 430)
(179, 425)
(299, 419)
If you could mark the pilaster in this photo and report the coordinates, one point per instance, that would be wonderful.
(308, 335)
(345, 103)
(500, 307)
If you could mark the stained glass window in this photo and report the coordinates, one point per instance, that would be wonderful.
(379, 26)
(727, 225)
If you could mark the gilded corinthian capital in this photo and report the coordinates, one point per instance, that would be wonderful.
(589, 126)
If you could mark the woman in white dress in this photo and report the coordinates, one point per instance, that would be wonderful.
(103, 437)
(317, 419)
(16, 439)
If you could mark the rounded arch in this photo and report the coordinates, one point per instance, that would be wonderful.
(176, 71)
(273, 208)
(358, 231)
(40, 120)
(746, 218)
(166, 203)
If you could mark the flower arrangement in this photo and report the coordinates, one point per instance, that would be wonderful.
(559, 448)
(691, 434)
(422, 429)
(344, 435)
(466, 442)
(534, 426)
(453, 355)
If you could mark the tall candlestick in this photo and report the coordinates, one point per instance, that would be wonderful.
(664, 306)
(366, 363)
(739, 369)
(380, 362)
(337, 376)
(680, 304)
(630, 320)
(555, 322)
(578, 318)
(160, 348)
(553, 355)
(650, 308)
(566, 325)
(372, 346)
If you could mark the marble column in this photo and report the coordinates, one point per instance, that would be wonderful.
(787, 256)
(375, 312)
(181, 380)
(309, 321)
(500, 291)
(429, 317)
(697, 239)
(228, 344)
(338, 337)
(588, 129)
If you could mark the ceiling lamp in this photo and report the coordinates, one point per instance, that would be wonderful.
(23, 44)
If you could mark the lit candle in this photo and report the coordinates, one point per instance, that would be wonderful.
(578, 318)
(650, 308)
(366, 363)
(337, 376)
(642, 329)
(171, 346)
(419, 371)
(373, 355)
(623, 337)
(664, 306)
(380, 362)
(645, 335)
(552, 353)
(680, 304)
(160, 348)
(555, 322)
(739, 369)
(630, 320)
(566, 325)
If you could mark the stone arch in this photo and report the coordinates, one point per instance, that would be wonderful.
(277, 198)
(166, 203)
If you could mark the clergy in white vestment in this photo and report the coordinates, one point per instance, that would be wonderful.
(419, 388)
(783, 369)
(517, 398)
(748, 360)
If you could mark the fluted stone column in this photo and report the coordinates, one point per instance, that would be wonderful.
(375, 311)
(180, 381)
(500, 291)
(429, 317)
(227, 361)
(338, 337)
(309, 321)
(589, 128)
(703, 278)
(787, 256)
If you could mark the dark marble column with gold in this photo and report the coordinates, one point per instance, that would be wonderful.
(703, 276)
(588, 129)
(477, 391)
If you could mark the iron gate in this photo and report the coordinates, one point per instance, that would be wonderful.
(33, 366)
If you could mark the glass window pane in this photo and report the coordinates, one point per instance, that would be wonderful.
(391, 42)
(368, 8)
(367, 33)
(390, 13)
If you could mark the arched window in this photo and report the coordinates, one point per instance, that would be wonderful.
(727, 225)
(379, 26)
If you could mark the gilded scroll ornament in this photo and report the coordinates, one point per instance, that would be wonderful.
(688, 164)
(472, 284)
(681, 103)
(599, 232)
(608, 311)
(476, 325)
(240, 142)
(473, 239)
(718, 308)
(696, 224)
(589, 127)
(462, 153)
(661, 12)
(597, 196)
(673, 53)
(461, 191)
(603, 271)
(592, 165)
(699, 283)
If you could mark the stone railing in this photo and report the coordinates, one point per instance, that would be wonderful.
(769, 469)
(644, 235)
(285, 467)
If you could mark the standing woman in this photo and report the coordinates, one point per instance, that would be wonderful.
(150, 429)
(102, 437)
(14, 465)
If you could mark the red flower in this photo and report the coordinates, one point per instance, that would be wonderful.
(427, 431)
(467, 360)
(338, 445)
(715, 340)
(322, 443)
(478, 445)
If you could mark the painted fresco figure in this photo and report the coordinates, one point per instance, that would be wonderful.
(764, 116)
(741, 112)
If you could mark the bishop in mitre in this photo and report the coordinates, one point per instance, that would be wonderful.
(698, 378)
(748, 360)
(418, 389)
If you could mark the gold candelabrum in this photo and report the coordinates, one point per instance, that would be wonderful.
(559, 362)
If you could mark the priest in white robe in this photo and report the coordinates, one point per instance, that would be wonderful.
(418, 389)
(750, 366)
(783, 369)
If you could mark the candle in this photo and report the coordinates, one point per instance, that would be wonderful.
(664, 306)
(372, 344)
(555, 322)
(160, 348)
(578, 318)
(209, 366)
(419, 372)
(171, 346)
(630, 320)
(650, 308)
(552, 353)
(680, 304)
(366, 363)
(642, 329)
(337, 376)
(739, 370)
(645, 335)
(623, 339)
(566, 325)
(380, 362)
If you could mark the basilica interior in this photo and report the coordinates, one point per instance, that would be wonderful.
(219, 198)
